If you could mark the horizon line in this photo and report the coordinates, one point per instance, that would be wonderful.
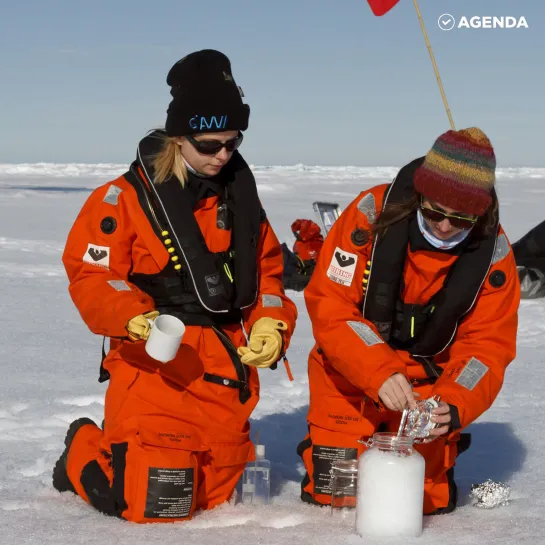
(253, 165)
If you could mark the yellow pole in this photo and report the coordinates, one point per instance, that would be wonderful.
(434, 64)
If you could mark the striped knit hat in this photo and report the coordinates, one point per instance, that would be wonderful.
(459, 171)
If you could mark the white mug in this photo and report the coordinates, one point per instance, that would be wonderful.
(165, 337)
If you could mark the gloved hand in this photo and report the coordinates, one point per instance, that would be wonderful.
(265, 343)
(139, 328)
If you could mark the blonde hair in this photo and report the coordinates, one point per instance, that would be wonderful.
(169, 161)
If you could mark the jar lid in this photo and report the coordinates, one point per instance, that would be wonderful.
(392, 439)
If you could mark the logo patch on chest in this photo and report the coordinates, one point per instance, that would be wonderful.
(342, 267)
(97, 255)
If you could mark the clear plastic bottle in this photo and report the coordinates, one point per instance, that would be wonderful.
(256, 479)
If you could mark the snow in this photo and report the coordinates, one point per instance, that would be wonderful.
(50, 367)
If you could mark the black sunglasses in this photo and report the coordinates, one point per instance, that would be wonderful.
(460, 222)
(212, 147)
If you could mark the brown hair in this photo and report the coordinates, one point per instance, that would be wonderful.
(396, 212)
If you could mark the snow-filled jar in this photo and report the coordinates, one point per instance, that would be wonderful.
(390, 488)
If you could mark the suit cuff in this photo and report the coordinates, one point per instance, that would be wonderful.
(454, 418)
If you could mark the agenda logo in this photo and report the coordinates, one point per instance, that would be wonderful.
(446, 21)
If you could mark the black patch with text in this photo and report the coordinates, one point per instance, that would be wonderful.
(323, 459)
(170, 492)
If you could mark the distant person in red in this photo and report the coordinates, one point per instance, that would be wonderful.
(308, 239)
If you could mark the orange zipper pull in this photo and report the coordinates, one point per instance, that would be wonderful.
(288, 370)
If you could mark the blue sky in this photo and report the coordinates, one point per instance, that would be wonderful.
(327, 81)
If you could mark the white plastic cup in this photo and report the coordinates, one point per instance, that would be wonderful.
(165, 337)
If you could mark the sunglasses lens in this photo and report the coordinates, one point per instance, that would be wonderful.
(460, 223)
(233, 144)
(436, 216)
(432, 215)
(211, 147)
(208, 147)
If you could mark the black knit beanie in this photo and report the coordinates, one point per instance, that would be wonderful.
(205, 96)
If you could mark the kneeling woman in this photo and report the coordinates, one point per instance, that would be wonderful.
(181, 233)
(415, 293)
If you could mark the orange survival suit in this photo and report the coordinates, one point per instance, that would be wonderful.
(447, 320)
(175, 436)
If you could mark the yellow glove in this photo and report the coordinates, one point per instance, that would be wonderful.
(139, 328)
(265, 344)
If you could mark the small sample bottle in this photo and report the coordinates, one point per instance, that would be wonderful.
(256, 479)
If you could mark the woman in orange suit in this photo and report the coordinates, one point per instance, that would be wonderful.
(415, 294)
(181, 233)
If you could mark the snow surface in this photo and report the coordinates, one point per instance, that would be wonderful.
(50, 367)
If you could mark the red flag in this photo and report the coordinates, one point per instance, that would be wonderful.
(380, 7)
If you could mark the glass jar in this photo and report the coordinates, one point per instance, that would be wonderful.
(390, 496)
(344, 482)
